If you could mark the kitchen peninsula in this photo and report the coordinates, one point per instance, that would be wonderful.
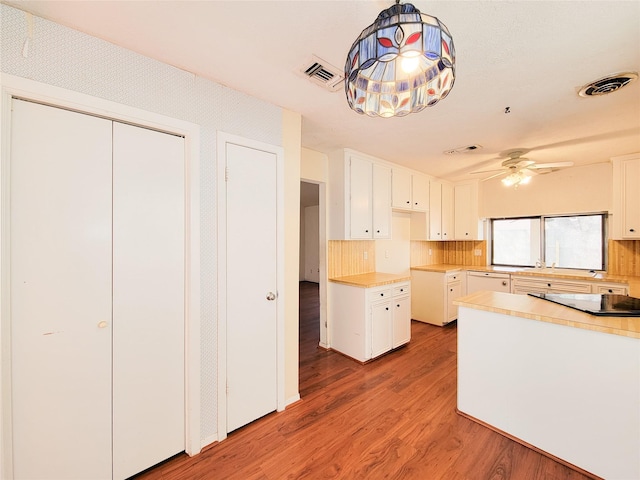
(559, 380)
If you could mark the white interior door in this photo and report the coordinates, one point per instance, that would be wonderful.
(251, 284)
(148, 298)
(60, 293)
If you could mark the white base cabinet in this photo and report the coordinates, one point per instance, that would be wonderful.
(525, 284)
(432, 296)
(368, 322)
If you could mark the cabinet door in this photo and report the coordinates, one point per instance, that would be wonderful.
(381, 201)
(454, 290)
(435, 210)
(401, 189)
(631, 199)
(447, 212)
(360, 204)
(420, 193)
(401, 321)
(462, 207)
(381, 326)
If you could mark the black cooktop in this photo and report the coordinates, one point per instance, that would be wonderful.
(605, 304)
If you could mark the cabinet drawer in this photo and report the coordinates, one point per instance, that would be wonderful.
(569, 287)
(380, 293)
(401, 289)
(618, 289)
(546, 285)
(453, 277)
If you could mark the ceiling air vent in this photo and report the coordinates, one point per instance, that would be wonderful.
(465, 149)
(607, 84)
(323, 74)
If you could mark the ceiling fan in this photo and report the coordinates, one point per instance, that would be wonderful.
(519, 170)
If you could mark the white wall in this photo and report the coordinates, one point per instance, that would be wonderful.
(72, 60)
(393, 256)
(291, 141)
(314, 166)
(585, 189)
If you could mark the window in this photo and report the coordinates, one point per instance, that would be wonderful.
(569, 241)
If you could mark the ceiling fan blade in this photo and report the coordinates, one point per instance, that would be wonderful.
(551, 165)
(504, 172)
(488, 171)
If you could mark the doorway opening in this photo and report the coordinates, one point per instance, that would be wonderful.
(312, 274)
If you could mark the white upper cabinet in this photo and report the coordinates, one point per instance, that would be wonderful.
(401, 188)
(440, 210)
(381, 201)
(626, 209)
(420, 192)
(467, 225)
(410, 190)
(435, 210)
(359, 197)
(360, 204)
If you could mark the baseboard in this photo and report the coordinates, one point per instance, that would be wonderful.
(292, 400)
(211, 439)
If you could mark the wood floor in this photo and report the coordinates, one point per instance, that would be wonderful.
(392, 418)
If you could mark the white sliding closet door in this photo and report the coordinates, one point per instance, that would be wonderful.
(60, 293)
(148, 298)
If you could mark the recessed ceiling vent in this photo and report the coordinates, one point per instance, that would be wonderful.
(607, 84)
(322, 73)
(465, 149)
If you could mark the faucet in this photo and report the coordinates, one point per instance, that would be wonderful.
(540, 264)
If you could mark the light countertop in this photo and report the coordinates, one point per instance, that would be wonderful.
(533, 308)
(372, 279)
(633, 282)
(441, 268)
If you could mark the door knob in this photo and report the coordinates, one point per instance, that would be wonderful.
(102, 324)
(271, 296)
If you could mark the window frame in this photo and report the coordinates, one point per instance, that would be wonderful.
(541, 253)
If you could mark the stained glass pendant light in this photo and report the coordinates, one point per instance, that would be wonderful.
(402, 63)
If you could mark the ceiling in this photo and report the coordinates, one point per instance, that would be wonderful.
(530, 56)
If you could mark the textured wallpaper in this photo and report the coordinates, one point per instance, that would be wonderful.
(72, 60)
